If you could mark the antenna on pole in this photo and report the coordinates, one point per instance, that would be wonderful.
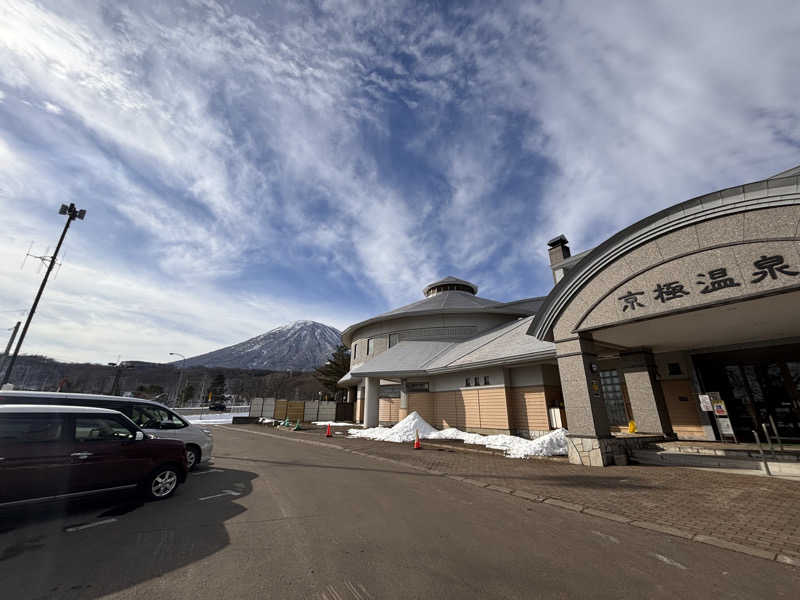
(44, 260)
(58, 266)
(25, 258)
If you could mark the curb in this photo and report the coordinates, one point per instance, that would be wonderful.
(528, 496)
(657, 527)
(663, 529)
(562, 504)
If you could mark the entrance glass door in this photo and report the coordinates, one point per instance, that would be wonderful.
(759, 386)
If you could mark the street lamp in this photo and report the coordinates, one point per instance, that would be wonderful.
(71, 213)
(180, 376)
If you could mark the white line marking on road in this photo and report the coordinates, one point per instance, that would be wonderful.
(223, 493)
(605, 536)
(89, 525)
(669, 561)
(330, 593)
(204, 472)
(353, 590)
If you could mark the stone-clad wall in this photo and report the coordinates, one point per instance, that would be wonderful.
(686, 258)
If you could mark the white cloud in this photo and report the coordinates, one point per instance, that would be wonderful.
(641, 105)
(228, 142)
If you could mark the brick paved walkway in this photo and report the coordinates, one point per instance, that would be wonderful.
(757, 512)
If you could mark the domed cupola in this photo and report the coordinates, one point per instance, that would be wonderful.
(449, 284)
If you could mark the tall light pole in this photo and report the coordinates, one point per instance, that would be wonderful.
(10, 342)
(180, 376)
(72, 213)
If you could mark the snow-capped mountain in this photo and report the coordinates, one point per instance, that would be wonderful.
(299, 346)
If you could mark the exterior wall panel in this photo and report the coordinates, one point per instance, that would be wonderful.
(388, 410)
(422, 403)
(493, 408)
(528, 409)
(682, 409)
(456, 324)
(445, 410)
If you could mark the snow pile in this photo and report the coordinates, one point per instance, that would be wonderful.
(331, 423)
(404, 431)
(265, 420)
(551, 444)
(214, 418)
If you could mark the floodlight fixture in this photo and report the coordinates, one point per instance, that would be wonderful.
(72, 213)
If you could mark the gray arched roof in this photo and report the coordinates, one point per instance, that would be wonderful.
(447, 303)
(760, 194)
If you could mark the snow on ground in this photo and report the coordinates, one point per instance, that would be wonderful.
(332, 423)
(214, 418)
(551, 444)
(266, 420)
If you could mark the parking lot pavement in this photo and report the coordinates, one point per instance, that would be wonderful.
(87, 548)
(278, 519)
(760, 513)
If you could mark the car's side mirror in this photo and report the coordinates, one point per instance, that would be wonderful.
(139, 436)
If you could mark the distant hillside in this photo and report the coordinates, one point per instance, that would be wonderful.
(299, 346)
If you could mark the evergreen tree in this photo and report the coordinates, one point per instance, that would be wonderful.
(186, 395)
(217, 388)
(332, 371)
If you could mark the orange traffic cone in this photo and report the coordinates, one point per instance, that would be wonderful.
(417, 445)
(328, 433)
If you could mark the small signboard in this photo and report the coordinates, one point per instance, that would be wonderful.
(720, 412)
(724, 424)
(705, 403)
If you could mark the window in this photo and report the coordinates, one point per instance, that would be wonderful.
(154, 417)
(370, 346)
(674, 368)
(416, 386)
(612, 395)
(477, 380)
(466, 382)
(393, 339)
(486, 380)
(30, 429)
(389, 391)
(355, 351)
(98, 428)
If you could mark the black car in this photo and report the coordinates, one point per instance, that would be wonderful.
(218, 407)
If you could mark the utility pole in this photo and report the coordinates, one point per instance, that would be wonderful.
(117, 374)
(203, 387)
(8, 346)
(180, 378)
(72, 213)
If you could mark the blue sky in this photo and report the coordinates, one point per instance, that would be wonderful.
(247, 164)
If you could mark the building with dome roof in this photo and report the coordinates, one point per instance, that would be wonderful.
(456, 358)
(685, 323)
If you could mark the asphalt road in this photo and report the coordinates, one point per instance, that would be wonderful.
(279, 519)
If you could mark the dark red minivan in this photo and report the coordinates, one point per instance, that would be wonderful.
(57, 452)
